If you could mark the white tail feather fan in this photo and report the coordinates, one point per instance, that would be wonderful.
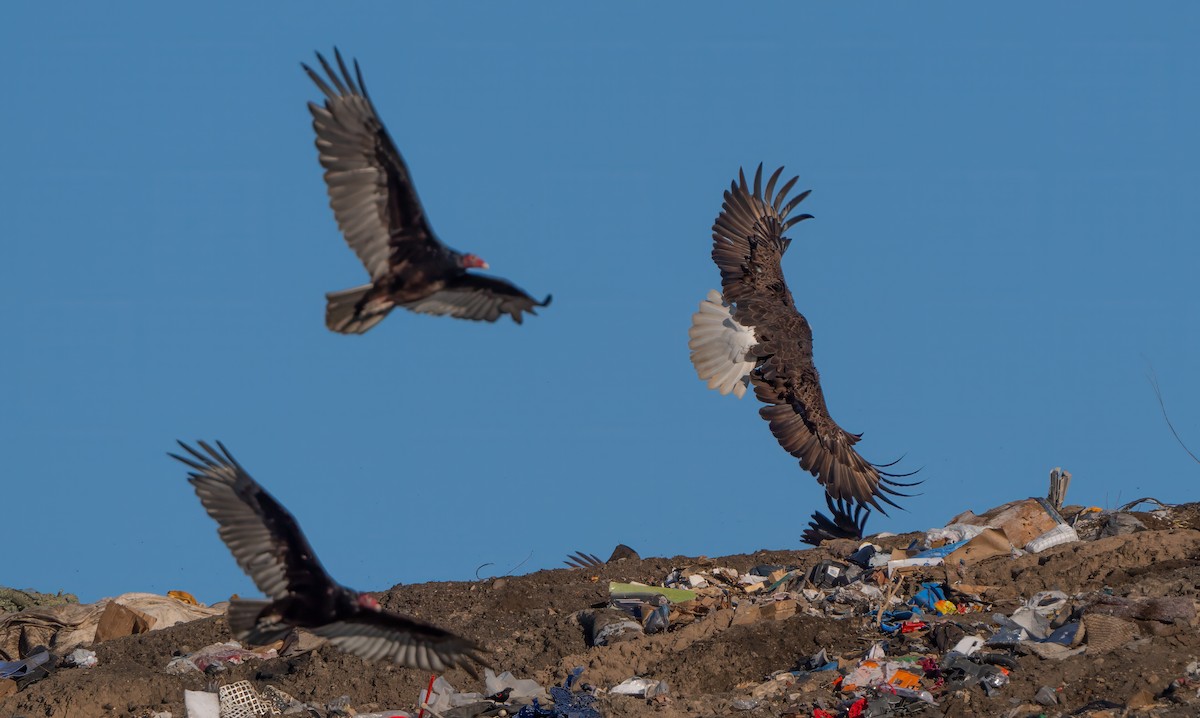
(719, 346)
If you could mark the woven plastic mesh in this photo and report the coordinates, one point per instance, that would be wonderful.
(240, 700)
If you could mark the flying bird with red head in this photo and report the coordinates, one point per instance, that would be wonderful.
(377, 209)
(751, 334)
(267, 543)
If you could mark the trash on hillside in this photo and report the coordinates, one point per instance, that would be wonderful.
(202, 704)
(610, 625)
(25, 666)
(1031, 524)
(504, 689)
(67, 625)
(641, 687)
(565, 702)
(80, 658)
(217, 657)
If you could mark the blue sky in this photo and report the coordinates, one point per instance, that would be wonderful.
(1004, 237)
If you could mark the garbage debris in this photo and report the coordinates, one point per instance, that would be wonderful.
(64, 626)
(642, 687)
(976, 625)
(80, 658)
(25, 666)
(216, 657)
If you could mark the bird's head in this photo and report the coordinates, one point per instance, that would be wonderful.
(472, 261)
(368, 602)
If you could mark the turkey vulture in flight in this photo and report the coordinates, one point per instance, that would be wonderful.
(378, 212)
(269, 546)
(753, 334)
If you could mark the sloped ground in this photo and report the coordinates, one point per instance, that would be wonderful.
(532, 624)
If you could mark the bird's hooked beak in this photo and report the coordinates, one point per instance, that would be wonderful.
(473, 261)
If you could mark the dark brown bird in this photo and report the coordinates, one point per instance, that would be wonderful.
(381, 217)
(269, 546)
(845, 521)
(753, 334)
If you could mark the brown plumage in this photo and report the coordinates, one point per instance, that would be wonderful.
(753, 334)
(378, 211)
(268, 544)
(846, 520)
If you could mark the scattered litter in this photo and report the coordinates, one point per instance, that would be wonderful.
(80, 658)
(216, 657)
(66, 625)
(643, 687)
(202, 704)
(25, 666)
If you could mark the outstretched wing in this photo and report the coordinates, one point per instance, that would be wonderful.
(261, 534)
(748, 245)
(383, 635)
(846, 521)
(370, 189)
(479, 297)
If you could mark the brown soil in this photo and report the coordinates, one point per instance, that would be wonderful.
(532, 625)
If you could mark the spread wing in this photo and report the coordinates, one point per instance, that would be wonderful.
(748, 245)
(261, 534)
(383, 635)
(848, 522)
(479, 297)
(370, 189)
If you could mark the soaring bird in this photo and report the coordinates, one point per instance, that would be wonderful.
(752, 334)
(381, 217)
(269, 546)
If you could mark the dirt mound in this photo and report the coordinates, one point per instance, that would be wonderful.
(535, 627)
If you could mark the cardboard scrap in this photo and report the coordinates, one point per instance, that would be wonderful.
(119, 620)
(1021, 521)
(989, 543)
(770, 611)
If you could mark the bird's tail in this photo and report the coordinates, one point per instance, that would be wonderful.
(247, 623)
(719, 345)
(350, 311)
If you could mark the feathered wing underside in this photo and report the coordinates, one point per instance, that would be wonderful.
(846, 521)
(720, 347)
(389, 636)
(748, 246)
(478, 297)
(262, 536)
(370, 189)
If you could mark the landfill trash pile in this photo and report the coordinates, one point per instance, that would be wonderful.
(1027, 609)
